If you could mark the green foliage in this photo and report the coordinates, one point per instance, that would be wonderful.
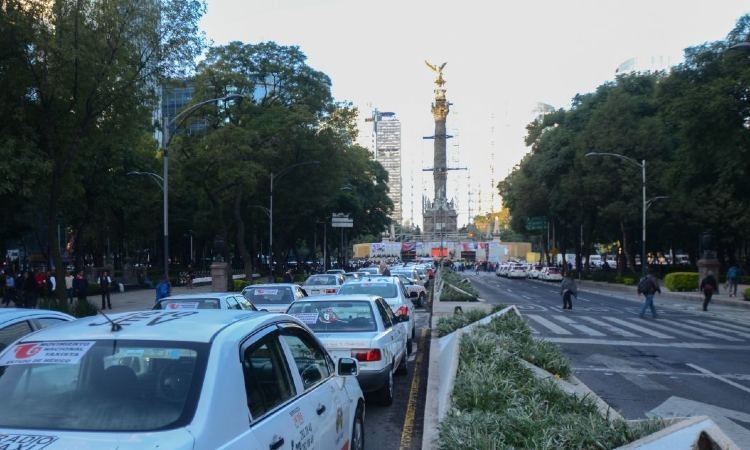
(84, 309)
(681, 281)
(498, 403)
(449, 294)
(746, 294)
(447, 325)
(626, 280)
(239, 285)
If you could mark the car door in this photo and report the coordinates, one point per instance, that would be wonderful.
(394, 339)
(277, 415)
(320, 391)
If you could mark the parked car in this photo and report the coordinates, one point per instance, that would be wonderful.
(534, 272)
(206, 300)
(517, 270)
(18, 322)
(273, 297)
(361, 327)
(184, 380)
(326, 284)
(394, 293)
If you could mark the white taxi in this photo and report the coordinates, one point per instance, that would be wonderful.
(323, 283)
(184, 379)
(273, 297)
(361, 327)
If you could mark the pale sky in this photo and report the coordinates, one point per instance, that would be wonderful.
(503, 58)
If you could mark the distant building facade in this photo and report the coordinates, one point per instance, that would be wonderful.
(385, 146)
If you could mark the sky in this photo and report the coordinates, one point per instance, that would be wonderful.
(503, 58)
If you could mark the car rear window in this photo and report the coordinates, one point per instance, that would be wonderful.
(385, 290)
(105, 385)
(335, 316)
(321, 279)
(189, 303)
(269, 295)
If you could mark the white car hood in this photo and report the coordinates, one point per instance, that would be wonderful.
(178, 439)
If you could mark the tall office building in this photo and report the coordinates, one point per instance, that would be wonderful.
(386, 149)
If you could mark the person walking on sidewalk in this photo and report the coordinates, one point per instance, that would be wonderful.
(648, 287)
(733, 276)
(568, 289)
(80, 287)
(105, 284)
(709, 286)
(69, 286)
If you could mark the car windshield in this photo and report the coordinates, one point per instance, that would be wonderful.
(321, 280)
(189, 303)
(335, 316)
(269, 295)
(385, 290)
(105, 385)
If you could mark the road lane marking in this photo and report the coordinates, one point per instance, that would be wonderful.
(411, 405)
(731, 325)
(580, 327)
(718, 377)
(663, 326)
(720, 327)
(639, 328)
(658, 373)
(705, 332)
(548, 324)
(609, 327)
(631, 343)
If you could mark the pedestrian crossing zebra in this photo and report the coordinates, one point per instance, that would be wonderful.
(605, 326)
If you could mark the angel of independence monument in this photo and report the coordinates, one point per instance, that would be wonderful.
(439, 216)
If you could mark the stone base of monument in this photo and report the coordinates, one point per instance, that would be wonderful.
(220, 276)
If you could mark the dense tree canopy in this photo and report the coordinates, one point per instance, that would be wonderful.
(688, 125)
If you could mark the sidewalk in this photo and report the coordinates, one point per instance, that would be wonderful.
(142, 299)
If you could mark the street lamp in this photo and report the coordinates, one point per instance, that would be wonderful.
(283, 172)
(642, 165)
(166, 138)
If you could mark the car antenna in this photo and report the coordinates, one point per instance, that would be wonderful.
(115, 326)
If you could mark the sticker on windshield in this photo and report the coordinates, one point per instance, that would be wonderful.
(26, 441)
(266, 291)
(46, 353)
(307, 318)
(182, 305)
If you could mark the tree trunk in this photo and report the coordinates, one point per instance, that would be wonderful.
(247, 258)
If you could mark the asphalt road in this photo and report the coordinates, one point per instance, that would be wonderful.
(686, 362)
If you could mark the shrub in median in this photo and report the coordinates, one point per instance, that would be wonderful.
(449, 294)
(499, 403)
(681, 281)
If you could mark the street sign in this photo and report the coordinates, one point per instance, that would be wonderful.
(340, 220)
(536, 223)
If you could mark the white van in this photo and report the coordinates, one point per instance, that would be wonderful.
(595, 261)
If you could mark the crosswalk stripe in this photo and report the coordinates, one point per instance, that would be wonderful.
(610, 327)
(580, 327)
(703, 331)
(666, 326)
(548, 324)
(638, 328)
(727, 327)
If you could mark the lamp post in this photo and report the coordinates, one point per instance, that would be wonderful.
(642, 165)
(283, 172)
(166, 138)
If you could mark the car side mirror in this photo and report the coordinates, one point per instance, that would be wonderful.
(347, 367)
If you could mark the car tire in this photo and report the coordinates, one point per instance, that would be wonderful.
(385, 394)
(409, 346)
(402, 369)
(358, 431)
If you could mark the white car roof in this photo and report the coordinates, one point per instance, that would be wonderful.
(159, 325)
(8, 315)
(201, 295)
(338, 298)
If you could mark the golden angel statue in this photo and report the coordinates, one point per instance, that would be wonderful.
(438, 70)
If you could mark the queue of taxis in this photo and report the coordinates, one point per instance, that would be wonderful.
(205, 300)
(273, 297)
(179, 379)
(362, 327)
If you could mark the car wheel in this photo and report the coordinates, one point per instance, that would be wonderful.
(358, 431)
(409, 346)
(385, 394)
(402, 370)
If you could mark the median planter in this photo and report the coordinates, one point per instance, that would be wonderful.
(498, 387)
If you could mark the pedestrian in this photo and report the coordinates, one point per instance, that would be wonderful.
(288, 276)
(40, 278)
(568, 289)
(191, 276)
(163, 289)
(30, 290)
(384, 270)
(733, 276)
(69, 286)
(105, 285)
(80, 287)
(648, 287)
(51, 285)
(10, 288)
(709, 286)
